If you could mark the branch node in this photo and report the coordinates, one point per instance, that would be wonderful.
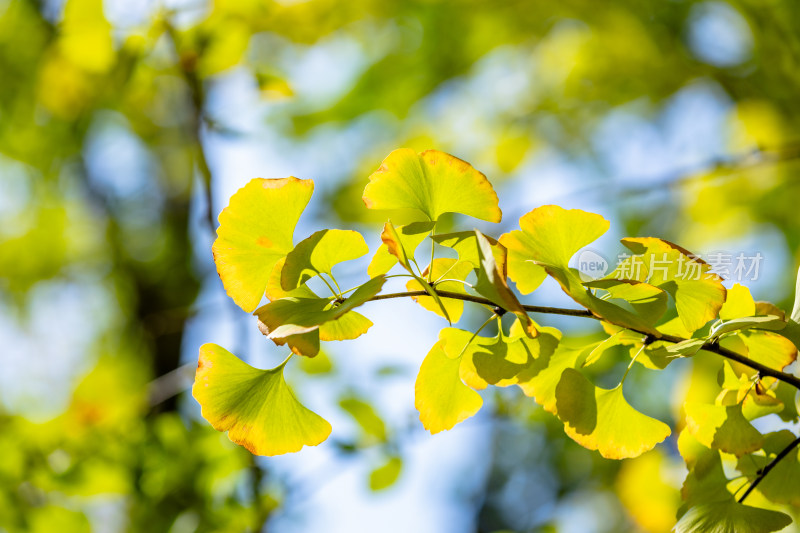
(499, 311)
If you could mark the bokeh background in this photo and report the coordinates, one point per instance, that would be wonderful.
(126, 125)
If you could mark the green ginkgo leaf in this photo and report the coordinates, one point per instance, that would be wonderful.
(366, 417)
(319, 253)
(255, 232)
(299, 321)
(440, 397)
(486, 360)
(601, 419)
(647, 301)
(409, 238)
(722, 427)
(256, 407)
(730, 516)
(781, 485)
(444, 268)
(698, 293)
(432, 183)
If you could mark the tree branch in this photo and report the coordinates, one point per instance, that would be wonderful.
(767, 469)
(710, 346)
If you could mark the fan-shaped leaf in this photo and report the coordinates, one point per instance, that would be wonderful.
(698, 293)
(255, 232)
(730, 516)
(296, 320)
(722, 428)
(409, 238)
(440, 397)
(256, 407)
(319, 253)
(602, 420)
(433, 183)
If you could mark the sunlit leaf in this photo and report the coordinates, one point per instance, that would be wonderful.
(770, 349)
(440, 397)
(781, 485)
(465, 245)
(549, 236)
(433, 183)
(409, 237)
(738, 304)
(298, 321)
(647, 301)
(256, 407)
(730, 516)
(601, 419)
(255, 232)
(722, 428)
(444, 268)
(698, 293)
(319, 253)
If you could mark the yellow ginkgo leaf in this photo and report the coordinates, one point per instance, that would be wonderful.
(602, 420)
(255, 232)
(256, 407)
(432, 183)
(440, 396)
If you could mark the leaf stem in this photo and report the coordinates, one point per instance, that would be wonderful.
(433, 247)
(336, 294)
(630, 365)
(464, 349)
(767, 469)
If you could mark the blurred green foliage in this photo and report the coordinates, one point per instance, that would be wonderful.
(502, 85)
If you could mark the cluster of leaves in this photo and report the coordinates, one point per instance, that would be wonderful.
(659, 305)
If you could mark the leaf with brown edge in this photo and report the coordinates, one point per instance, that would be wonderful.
(255, 232)
(410, 236)
(440, 397)
(256, 407)
(548, 237)
(432, 183)
(698, 293)
(601, 419)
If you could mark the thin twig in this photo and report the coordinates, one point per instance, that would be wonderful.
(767, 469)
(710, 346)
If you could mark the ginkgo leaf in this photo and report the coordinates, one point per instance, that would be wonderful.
(256, 407)
(706, 481)
(443, 268)
(781, 485)
(541, 379)
(386, 475)
(319, 253)
(296, 320)
(409, 236)
(739, 303)
(769, 322)
(647, 301)
(366, 417)
(722, 427)
(466, 246)
(440, 397)
(767, 348)
(486, 360)
(730, 516)
(698, 293)
(601, 419)
(549, 236)
(255, 232)
(433, 183)
(492, 284)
